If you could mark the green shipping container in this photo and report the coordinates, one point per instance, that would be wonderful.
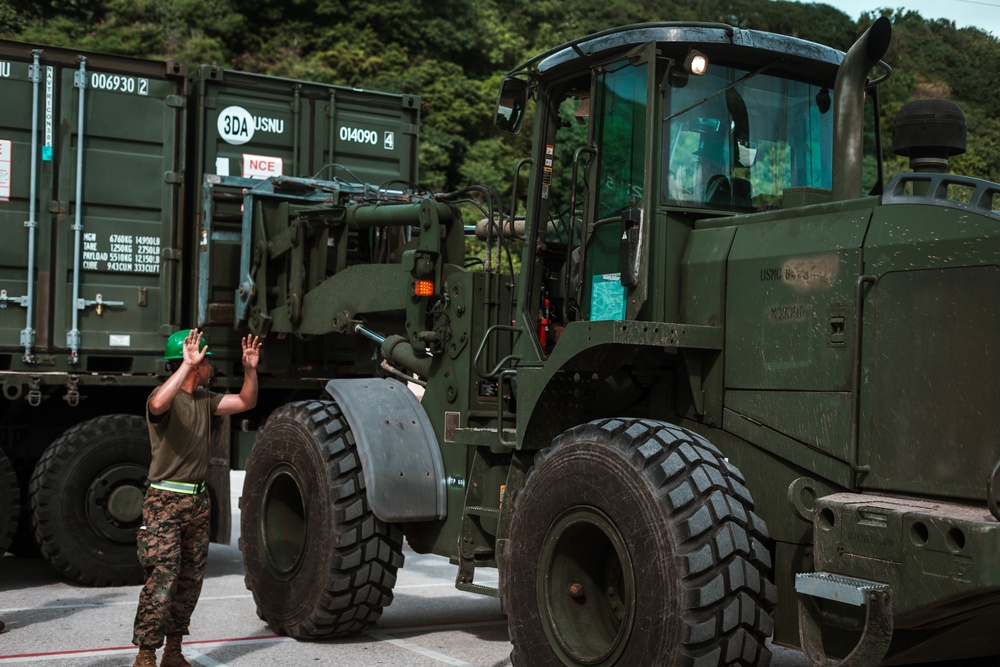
(139, 257)
(80, 267)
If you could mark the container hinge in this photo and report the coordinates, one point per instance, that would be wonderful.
(35, 70)
(173, 177)
(27, 340)
(175, 101)
(80, 76)
(876, 634)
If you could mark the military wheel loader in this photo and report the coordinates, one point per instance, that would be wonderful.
(742, 388)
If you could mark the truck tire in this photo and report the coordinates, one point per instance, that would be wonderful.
(318, 562)
(634, 542)
(24, 456)
(86, 500)
(10, 503)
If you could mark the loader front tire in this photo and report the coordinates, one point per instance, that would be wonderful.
(318, 561)
(634, 542)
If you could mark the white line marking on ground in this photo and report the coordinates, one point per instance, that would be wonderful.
(201, 659)
(415, 648)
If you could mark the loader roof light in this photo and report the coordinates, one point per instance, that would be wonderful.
(423, 288)
(696, 63)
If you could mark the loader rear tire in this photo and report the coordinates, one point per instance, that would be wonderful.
(318, 561)
(10, 503)
(634, 542)
(86, 500)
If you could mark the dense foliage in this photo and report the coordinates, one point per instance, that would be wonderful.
(453, 53)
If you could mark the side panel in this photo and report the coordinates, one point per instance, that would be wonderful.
(790, 296)
(789, 325)
(932, 352)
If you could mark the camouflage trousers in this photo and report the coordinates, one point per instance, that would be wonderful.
(173, 550)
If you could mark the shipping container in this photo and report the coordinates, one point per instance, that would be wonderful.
(119, 233)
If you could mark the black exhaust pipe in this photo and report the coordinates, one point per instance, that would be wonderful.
(849, 107)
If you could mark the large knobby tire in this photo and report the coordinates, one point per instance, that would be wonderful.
(86, 500)
(318, 561)
(634, 542)
(10, 503)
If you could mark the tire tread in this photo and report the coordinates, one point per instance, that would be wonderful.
(366, 552)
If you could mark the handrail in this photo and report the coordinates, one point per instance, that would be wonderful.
(482, 346)
(859, 304)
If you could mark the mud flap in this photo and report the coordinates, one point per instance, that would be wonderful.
(400, 457)
(876, 634)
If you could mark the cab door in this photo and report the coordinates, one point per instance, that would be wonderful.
(619, 182)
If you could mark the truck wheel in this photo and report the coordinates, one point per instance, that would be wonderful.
(634, 542)
(10, 503)
(318, 562)
(24, 457)
(86, 500)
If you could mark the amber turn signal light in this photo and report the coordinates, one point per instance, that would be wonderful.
(423, 288)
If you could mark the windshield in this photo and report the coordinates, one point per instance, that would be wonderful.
(737, 140)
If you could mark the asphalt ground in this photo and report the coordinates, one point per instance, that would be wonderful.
(429, 624)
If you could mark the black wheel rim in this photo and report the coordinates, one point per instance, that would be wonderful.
(114, 502)
(283, 524)
(586, 588)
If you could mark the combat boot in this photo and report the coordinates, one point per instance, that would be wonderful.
(172, 656)
(146, 658)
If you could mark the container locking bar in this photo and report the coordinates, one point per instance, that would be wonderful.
(28, 333)
(73, 337)
(876, 634)
(99, 301)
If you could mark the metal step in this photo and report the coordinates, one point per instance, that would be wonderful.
(477, 588)
(836, 587)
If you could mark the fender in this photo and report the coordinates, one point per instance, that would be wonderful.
(400, 458)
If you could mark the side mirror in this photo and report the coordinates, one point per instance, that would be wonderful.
(510, 105)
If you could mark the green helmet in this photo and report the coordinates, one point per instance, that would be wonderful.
(174, 349)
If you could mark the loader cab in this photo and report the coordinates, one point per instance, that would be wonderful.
(642, 131)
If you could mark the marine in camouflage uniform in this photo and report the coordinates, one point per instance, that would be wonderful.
(173, 540)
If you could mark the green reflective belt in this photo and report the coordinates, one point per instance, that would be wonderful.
(179, 487)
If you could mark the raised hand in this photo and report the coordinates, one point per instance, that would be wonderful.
(251, 352)
(194, 351)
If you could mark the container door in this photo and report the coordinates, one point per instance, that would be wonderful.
(370, 137)
(121, 183)
(16, 91)
(247, 125)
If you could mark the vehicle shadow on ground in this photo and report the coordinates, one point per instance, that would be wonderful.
(224, 560)
(19, 573)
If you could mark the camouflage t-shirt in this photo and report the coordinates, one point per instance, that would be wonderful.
(180, 437)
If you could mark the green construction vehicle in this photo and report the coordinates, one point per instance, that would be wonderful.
(742, 388)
